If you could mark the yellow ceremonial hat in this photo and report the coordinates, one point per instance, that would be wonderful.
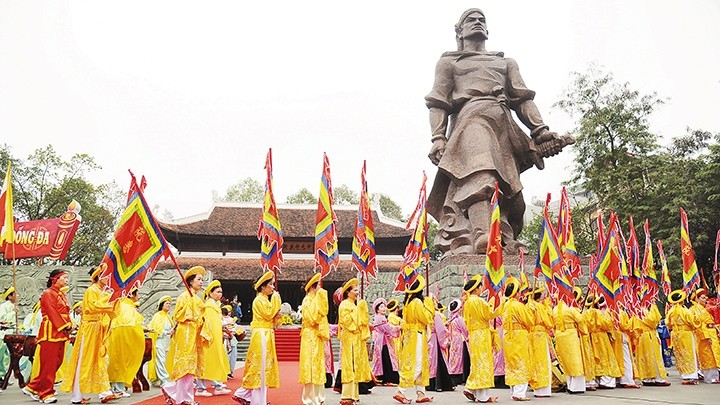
(164, 299)
(392, 304)
(473, 283)
(314, 279)
(227, 308)
(590, 299)
(267, 276)
(213, 284)
(677, 297)
(698, 292)
(195, 270)
(353, 282)
(8, 292)
(577, 292)
(512, 285)
(417, 286)
(77, 304)
(440, 307)
(97, 271)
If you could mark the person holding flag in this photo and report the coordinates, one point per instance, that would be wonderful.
(569, 326)
(312, 343)
(88, 367)
(261, 367)
(185, 346)
(54, 331)
(418, 314)
(708, 342)
(518, 320)
(606, 365)
(540, 343)
(478, 313)
(682, 324)
(351, 312)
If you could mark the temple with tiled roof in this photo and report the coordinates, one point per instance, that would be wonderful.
(224, 241)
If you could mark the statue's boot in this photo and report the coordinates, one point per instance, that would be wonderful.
(479, 215)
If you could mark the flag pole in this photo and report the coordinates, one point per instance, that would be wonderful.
(427, 279)
(362, 285)
(182, 277)
(14, 274)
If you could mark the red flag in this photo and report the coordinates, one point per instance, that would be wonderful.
(600, 234)
(494, 279)
(270, 230)
(363, 248)
(524, 283)
(691, 278)
(417, 253)
(135, 249)
(667, 287)
(327, 256)
(566, 238)
(650, 283)
(717, 245)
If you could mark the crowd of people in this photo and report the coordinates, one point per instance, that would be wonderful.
(525, 340)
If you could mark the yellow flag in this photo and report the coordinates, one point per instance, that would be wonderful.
(7, 222)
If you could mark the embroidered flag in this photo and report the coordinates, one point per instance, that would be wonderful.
(566, 238)
(135, 249)
(549, 259)
(363, 247)
(7, 221)
(417, 253)
(667, 287)
(327, 257)
(650, 283)
(691, 278)
(270, 230)
(606, 275)
(494, 279)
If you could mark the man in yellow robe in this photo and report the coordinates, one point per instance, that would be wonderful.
(708, 347)
(682, 324)
(126, 344)
(606, 366)
(650, 367)
(478, 313)
(569, 326)
(185, 353)
(418, 314)
(312, 343)
(518, 320)
(261, 366)
(88, 362)
(623, 344)
(540, 343)
(213, 370)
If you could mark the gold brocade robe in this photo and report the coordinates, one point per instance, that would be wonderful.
(417, 316)
(587, 348)
(397, 342)
(517, 322)
(364, 371)
(264, 310)
(321, 302)
(92, 340)
(477, 314)
(682, 324)
(351, 333)
(569, 326)
(185, 353)
(126, 342)
(706, 336)
(627, 326)
(648, 352)
(605, 360)
(312, 345)
(216, 365)
(540, 344)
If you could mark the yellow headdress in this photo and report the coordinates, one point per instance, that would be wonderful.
(213, 284)
(417, 286)
(677, 297)
(195, 270)
(7, 292)
(314, 279)
(513, 285)
(353, 282)
(473, 283)
(268, 275)
(164, 299)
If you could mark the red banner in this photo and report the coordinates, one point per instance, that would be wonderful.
(45, 237)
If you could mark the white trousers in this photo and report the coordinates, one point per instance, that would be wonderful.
(311, 394)
(257, 396)
(627, 377)
(694, 374)
(575, 384)
(519, 391)
(76, 394)
(419, 389)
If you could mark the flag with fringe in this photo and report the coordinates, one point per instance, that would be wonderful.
(606, 275)
(566, 238)
(363, 247)
(600, 234)
(327, 256)
(417, 253)
(691, 278)
(136, 247)
(494, 278)
(549, 258)
(650, 281)
(270, 230)
(7, 221)
(666, 285)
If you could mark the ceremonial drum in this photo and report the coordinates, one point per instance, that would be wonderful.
(18, 346)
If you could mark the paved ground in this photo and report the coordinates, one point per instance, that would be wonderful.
(675, 394)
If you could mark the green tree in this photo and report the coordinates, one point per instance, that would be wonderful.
(302, 196)
(345, 196)
(389, 207)
(43, 186)
(247, 190)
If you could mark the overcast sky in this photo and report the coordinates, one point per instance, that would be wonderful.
(192, 94)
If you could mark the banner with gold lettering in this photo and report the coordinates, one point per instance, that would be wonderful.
(45, 237)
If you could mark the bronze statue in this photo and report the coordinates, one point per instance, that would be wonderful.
(476, 142)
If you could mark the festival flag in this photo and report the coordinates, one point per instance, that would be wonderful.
(494, 278)
(327, 257)
(691, 278)
(632, 247)
(7, 221)
(649, 275)
(363, 247)
(667, 287)
(600, 234)
(524, 283)
(135, 249)
(549, 259)
(417, 253)
(606, 275)
(566, 238)
(270, 230)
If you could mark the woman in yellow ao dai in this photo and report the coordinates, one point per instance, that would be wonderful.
(185, 353)
(261, 366)
(477, 314)
(418, 313)
(708, 347)
(650, 367)
(126, 343)
(215, 366)
(312, 342)
(517, 322)
(569, 326)
(682, 324)
(355, 369)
